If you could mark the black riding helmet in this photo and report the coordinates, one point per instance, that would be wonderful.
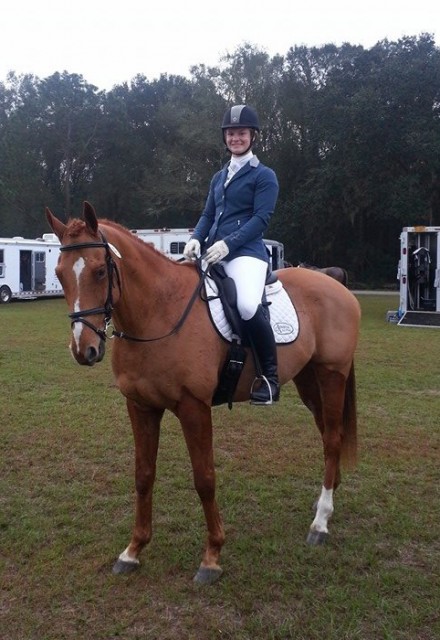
(241, 116)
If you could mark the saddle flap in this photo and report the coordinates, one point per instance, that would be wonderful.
(227, 293)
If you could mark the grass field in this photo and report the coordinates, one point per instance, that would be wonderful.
(66, 503)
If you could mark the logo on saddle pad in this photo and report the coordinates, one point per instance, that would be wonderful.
(283, 328)
(283, 316)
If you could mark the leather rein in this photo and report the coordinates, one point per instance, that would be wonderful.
(112, 270)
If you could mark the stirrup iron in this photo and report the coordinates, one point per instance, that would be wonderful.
(265, 381)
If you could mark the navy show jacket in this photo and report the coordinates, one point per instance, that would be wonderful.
(239, 213)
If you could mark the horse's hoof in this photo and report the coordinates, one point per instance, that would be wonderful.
(124, 567)
(316, 538)
(207, 576)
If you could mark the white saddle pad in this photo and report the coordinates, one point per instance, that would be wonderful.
(283, 316)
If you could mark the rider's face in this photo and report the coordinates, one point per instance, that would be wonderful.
(238, 140)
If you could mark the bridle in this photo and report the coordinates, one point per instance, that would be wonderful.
(112, 270)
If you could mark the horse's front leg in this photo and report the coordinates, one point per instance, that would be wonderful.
(145, 423)
(195, 418)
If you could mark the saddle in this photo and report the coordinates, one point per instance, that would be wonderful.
(233, 366)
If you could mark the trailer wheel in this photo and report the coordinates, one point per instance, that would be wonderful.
(5, 294)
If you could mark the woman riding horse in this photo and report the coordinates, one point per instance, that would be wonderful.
(167, 355)
(240, 203)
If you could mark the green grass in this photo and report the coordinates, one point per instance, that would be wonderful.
(66, 503)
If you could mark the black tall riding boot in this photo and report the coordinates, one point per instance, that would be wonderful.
(261, 335)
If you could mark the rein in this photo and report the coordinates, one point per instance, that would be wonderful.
(78, 316)
(175, 329)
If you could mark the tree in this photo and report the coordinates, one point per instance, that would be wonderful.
(21, 176)
(69, 120)
(352, 133)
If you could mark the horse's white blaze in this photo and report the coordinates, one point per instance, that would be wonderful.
(78, 268)
(125, 557)
(324, 511)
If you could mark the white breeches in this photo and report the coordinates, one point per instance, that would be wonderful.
(249, 275)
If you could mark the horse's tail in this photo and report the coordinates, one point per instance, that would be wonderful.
(349, 438)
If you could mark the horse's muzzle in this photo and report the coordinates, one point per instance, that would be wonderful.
(90, 355)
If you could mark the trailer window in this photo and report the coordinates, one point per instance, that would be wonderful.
(2, 264)
(39, 256)
(177, 247)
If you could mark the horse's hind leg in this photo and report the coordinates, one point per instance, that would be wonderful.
(323, 392)
(195, 418)
(145, 423)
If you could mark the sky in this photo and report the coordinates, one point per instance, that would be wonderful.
(109, 43)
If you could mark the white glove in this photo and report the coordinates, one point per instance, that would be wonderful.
(191, 250)
(217, 252)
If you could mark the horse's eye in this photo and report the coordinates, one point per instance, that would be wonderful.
(101, 273)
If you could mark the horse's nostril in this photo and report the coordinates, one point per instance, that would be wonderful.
(91, 356)
(95, 354)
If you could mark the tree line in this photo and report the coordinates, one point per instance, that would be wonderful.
(352, 133)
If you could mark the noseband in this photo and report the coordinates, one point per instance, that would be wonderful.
(112, 269)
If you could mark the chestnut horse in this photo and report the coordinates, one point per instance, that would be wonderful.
(167, 355)
(338, 273)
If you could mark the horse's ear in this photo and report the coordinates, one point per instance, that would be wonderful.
(56, 225)
(89, 216)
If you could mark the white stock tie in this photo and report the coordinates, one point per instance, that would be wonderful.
(232, 169)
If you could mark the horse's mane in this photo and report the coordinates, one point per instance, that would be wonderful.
(75, 227)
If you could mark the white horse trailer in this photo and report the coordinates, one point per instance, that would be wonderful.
(419, 277)
(171, 242)
(27, 268)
